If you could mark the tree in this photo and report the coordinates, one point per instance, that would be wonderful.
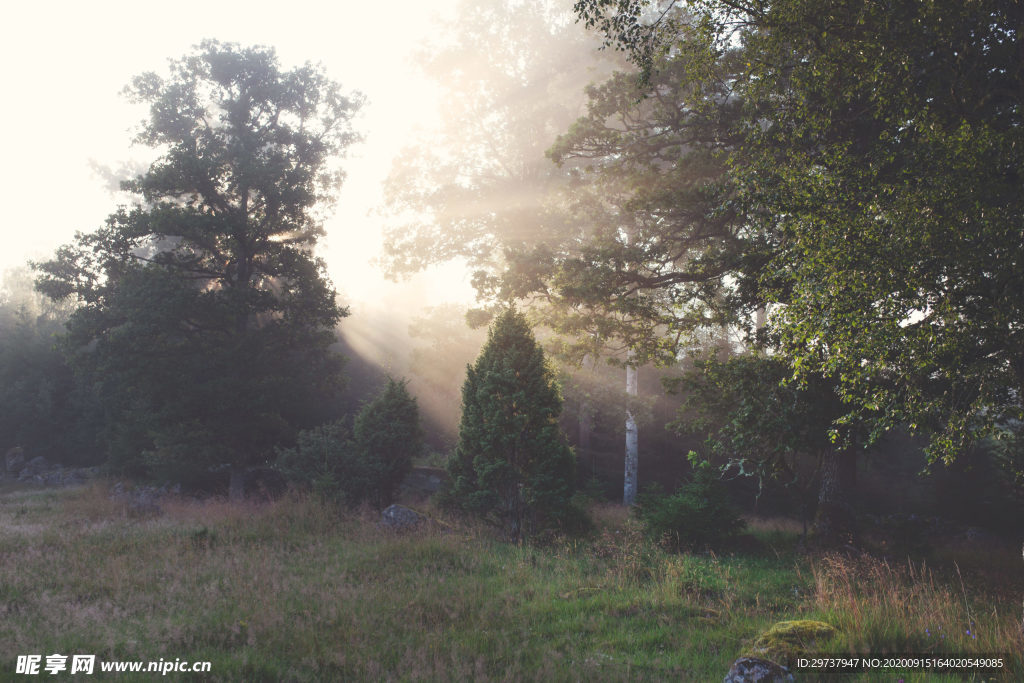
(365, 463)
(387, 437)
(653, 237)
(612, 278)
(44, 408)
(482, 190)
(512, 75)
(512, 465)
(879, 177)
(872, 183)
(898, 158)
(203, 312)
(760, 425)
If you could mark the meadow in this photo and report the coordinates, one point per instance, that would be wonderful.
(296, 590)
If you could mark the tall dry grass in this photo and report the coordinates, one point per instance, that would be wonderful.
(882, 606)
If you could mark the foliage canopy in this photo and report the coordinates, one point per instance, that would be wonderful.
(873, 166)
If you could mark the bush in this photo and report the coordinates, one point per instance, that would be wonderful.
(323, 461)
(367, 464)
(698, 515)
(387, 437)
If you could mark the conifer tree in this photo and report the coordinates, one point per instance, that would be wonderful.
(512, 465)
(366, 463)
(388, 436)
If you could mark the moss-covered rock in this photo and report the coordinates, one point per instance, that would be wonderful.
(787, 640)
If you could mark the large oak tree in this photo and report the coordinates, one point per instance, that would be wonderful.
(203, 312)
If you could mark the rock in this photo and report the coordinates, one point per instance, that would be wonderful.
(14, 461)
(41, 471)
(400, 518)
(73, 477)
(757, 670)
(787, 640)
(36, 465)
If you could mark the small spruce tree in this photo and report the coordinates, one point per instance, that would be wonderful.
(512, 465)
(366, 463)
(387, 437)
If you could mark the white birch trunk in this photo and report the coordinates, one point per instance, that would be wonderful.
(629, 485)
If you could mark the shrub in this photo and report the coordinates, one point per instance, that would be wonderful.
(698, 515)
(323, 461)
(387, 437)
(367, 464)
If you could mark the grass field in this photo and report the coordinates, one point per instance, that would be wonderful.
(295, 591)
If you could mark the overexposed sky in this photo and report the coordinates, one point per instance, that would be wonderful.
(62, 113)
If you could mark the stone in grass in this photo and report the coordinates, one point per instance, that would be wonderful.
(787, 640)
(33, 468)
(400, 518)
(14, 461)
(757, 670)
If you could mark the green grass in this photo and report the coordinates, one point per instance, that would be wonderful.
(295, 591)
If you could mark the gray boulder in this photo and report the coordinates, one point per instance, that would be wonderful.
(14, 461)
(400, 518)
(34, 470)
(756, 670)
(34, 467)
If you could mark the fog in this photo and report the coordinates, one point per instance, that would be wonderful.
(463, 101)
(510, 78)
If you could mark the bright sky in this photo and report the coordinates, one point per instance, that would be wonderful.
(66, 63)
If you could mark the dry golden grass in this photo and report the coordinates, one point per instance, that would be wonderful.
(906, 607)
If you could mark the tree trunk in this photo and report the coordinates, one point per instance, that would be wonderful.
(834, 521)
(236, 484)
(629, 485)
